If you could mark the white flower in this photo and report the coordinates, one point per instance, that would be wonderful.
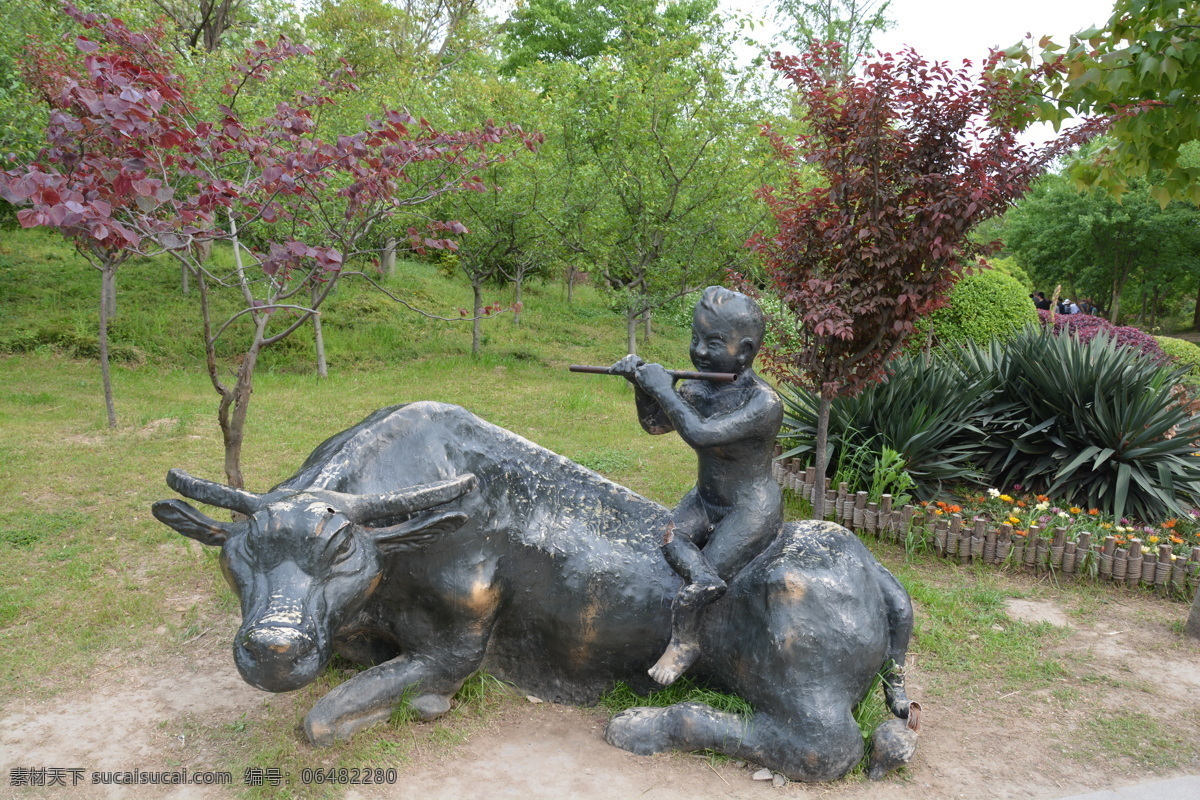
(1042, 506)
(1064, 514)
(993, 492)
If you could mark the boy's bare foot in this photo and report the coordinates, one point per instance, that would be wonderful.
(674, 662)
(699, 594)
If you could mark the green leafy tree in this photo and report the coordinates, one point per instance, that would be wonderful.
(1095, 245)
(1143, 67)
(851, 23)
(659, 158)
(580, 30)
(399, 39)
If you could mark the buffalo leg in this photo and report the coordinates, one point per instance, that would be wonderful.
(809, 747)
(368, 698)
(900, 625)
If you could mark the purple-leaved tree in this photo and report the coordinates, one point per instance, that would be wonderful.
(133, 164)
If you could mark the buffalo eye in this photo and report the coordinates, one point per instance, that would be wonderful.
(343, 547)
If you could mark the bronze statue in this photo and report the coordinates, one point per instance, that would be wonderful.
(735, 509)
(425, 544)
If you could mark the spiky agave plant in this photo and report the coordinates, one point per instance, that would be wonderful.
(1101, 427)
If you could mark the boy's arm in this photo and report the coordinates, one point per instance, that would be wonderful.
(755, 416)
(650, 413)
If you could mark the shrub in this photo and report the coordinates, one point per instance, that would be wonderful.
(1009, 266)
(1085, 327)
(987, 304)
(1101, 427)
(1089, 422)
(1183, 354)
(929, 413)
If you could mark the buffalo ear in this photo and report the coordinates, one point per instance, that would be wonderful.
(416, 533)
(191, 523)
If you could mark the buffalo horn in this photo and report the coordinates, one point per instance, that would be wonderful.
(215, 494)
(367, 507)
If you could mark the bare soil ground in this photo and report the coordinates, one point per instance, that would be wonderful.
(151, 713)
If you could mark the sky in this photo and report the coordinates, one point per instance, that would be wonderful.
(945, 30)
(951, 30)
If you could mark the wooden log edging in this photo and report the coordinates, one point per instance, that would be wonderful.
(1043, 551)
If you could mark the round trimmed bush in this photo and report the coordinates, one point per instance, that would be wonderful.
(1009, 266)
(984, 305)
(1184, 354)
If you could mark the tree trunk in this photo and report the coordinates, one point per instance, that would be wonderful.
(631, 331)
(108, 291)
(520, 282)
(389, 257)
(108, 276)
(1119, 278)
(646, 326)
(571, 289)
(235, 405)
(1193, 621)
(318, 337)
(822, 459)
(183, 279)
(1196, 313)
(477, 290)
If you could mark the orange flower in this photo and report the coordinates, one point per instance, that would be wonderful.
(1019, 533)
(941, 504)
(1095, 512)
(954, 509)
(1171, 523)
(1043, 498)
(1176, 539)
(1075, 510)
(1020, 504)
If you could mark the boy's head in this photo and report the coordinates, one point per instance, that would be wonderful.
(727, 330)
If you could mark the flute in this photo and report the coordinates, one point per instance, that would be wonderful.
(677, 374)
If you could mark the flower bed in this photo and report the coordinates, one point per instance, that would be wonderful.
(1024, 531)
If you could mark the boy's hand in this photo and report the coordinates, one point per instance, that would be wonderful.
(654, 380)
(627, 367)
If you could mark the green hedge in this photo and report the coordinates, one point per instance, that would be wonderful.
(985, 305)
(1186, 356)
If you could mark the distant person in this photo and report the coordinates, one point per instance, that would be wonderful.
(1040, 302)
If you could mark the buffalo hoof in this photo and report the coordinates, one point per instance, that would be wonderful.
(892, 745)
(430, 706)
(323, 731)
(643, 731)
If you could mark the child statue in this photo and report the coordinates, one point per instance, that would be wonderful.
(735, 509)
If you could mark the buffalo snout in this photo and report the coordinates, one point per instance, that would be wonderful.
(277, 658)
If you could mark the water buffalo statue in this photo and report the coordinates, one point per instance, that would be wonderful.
(425, 543)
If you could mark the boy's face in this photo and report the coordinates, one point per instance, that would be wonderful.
(718, 343)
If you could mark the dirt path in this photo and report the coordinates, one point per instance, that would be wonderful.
(975, 743)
